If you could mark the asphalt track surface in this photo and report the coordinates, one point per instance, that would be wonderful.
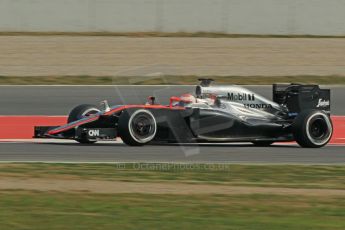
(206, 153)
(54, 100)
(59, 100)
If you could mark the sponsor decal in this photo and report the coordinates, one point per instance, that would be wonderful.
(241, 97)
(292, 114)
(322, 103)
(93, 132)
(258, 106)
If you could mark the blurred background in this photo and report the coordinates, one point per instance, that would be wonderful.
(173, 37)
(55, 54)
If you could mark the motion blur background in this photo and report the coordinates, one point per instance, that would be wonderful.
(172, 37)
(272, 17)
(60, 184)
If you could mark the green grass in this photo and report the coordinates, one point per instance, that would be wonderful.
(167, 80)
(28, 210)
(24, 209)
(292, 176)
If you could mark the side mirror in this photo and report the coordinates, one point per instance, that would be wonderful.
(104, 106)
(151, 100)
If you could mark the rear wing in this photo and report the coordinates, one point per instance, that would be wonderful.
(297, 97)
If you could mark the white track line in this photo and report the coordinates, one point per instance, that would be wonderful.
(119, 141)
(48, 141)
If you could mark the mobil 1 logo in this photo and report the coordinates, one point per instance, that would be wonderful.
(241, 97)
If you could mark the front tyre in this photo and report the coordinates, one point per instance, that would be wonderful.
(137, 128)
(312, 129)
(80, 112)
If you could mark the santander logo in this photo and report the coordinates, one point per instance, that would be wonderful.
(322, 103)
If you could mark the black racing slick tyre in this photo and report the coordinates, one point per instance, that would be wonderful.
(138, 127)
(80, 112)
(312, 129)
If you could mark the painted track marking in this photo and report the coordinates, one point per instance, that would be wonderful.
(22, 127)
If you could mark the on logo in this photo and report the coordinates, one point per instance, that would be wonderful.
(93, 132)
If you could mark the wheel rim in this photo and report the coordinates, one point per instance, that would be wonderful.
(142, 126)
(319, 129)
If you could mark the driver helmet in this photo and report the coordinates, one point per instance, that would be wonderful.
(187, 99)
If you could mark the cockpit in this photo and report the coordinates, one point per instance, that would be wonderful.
(189, 100)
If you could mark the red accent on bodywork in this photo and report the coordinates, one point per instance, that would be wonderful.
(177, 99)
(115, 110)
(67, 127)
(143, 107)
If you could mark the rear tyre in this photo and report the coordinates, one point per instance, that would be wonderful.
(312, 129)
(137, 128)
(80, 112)
(262, 143)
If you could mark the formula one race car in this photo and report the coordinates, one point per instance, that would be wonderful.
(215, 114)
